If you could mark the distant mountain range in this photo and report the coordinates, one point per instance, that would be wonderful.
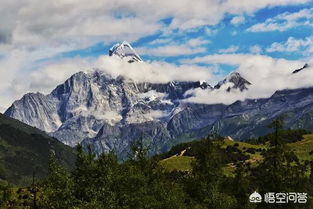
(110, 113)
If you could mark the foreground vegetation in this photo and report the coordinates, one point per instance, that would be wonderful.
(210, 173)
(235, 151)
(24, 149)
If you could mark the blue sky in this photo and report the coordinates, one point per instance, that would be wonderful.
(41, 44)
(225, 35)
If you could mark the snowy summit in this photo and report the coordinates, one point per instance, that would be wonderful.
(125, 50)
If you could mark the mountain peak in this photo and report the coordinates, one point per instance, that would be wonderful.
(236, 80)
(125, 50)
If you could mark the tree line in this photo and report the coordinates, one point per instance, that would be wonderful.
(141, 183)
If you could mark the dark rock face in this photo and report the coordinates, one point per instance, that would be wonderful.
(235, 80)
(86, 105)
(125, 50)
(111, 113)
(300, 69)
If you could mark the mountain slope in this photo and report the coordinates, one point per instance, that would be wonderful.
(24, 150)
(182, 155)
(110, 113)
(250, 118)
(125, 50)
(233, 81)
(180, 122)
(90, 99)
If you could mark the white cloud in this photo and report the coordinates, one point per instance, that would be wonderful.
(256, 49)
(230, 49)
(154, 72)
(237, 20)
(209, 31)
(217, 96)
(197, 42)
(285, 21)
(156, 114)
(152, 95)
(2, 109)
(171, 50)
(234, 33)
(36, 21)
(54, 73)
(16, 64)
(112, 117)
(160, 41)
(293, 45)
(34, 30)
(266, 74)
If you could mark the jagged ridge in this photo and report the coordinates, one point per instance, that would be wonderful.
(110, 113)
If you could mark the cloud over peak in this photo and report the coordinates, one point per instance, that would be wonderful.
(266, 74)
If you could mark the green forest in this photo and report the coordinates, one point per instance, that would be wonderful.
(211, 173)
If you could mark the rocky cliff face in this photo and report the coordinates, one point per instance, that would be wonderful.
(88, 103)
(110, 113)
(125, 51)
(234, 81)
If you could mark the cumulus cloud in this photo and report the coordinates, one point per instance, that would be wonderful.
(54, 73)
(33, 31)
(292, 45)
(197, 42)
(35, 21)
(170, 48)
(266, 74)
(217, 96)
(16, 64)
(152, 95)
(230, 49)
(256, 49)
(154, 72)
(237, 20)
(209, 31)
(160, 41)
(2, 109)
(285, 21)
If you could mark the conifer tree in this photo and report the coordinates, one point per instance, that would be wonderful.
(58, 188)
(207, 177)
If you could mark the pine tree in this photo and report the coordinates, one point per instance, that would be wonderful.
(207, 177)
(280, 170)
(240, 187)
(142, 183)
(58, 188)
(84, 177)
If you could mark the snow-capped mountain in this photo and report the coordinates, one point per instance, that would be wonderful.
(79, 108)
(233, 81)
(110, 113)
(125, 51)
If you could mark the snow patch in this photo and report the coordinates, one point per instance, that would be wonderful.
(152, 95)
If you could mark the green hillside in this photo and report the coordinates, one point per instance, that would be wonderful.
(210, 173)
(303, 149)
(25, 150)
